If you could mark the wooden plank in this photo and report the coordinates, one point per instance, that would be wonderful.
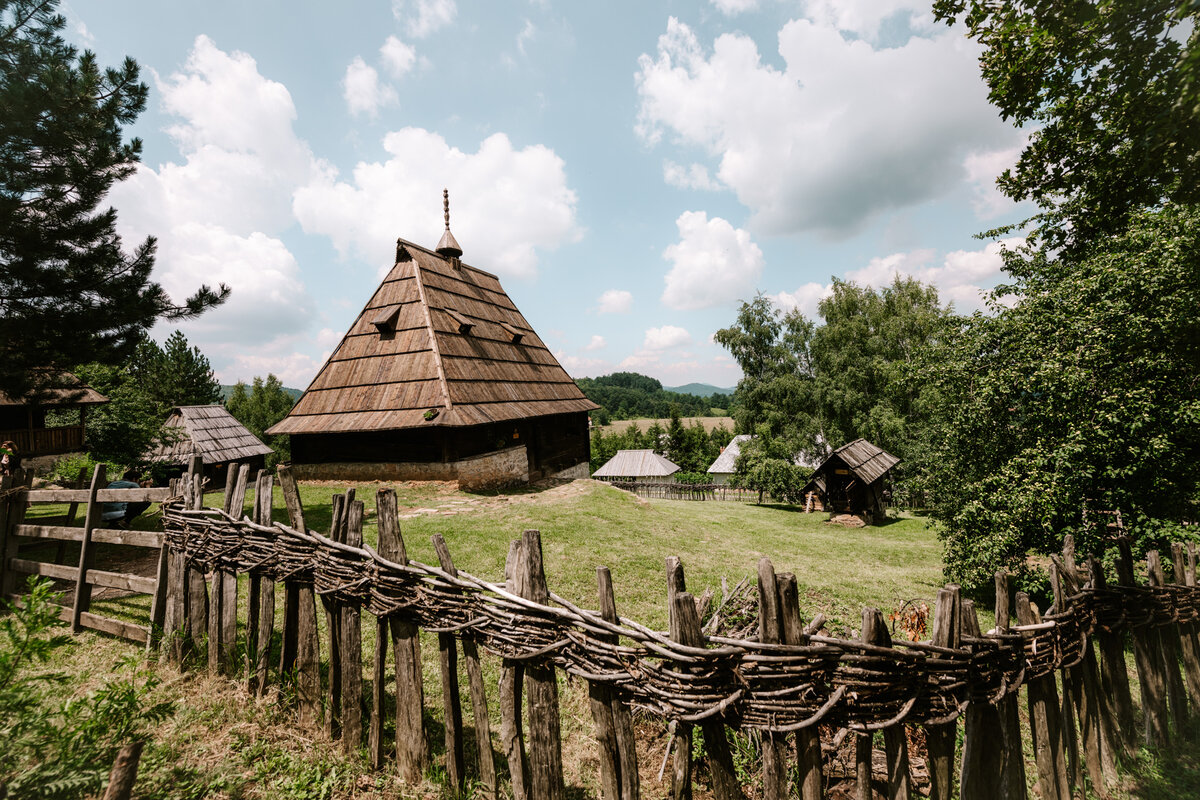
(808, 740)
(1012, 771)
(770, 631)
(600, 699)
(412, 745)
(158, 605)
(895, 743)
(512, 681)
(622, 719)
(151, 539)
(483, 729)
(105, 495)
(1044, 708)
(263, 500)
(541, 683)
(83, 592)
(291, 589)
(940, 739)
(95, 622)
(197, 591)
(983, 755)
(1169, 647)
(333, 627)
(111, 580)
(1067, 713)
(1151, 675)
(352, 688)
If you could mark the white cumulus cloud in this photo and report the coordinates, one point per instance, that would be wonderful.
(844, 131)
(424, 17)
(363, 91)
(666, 337)
(597, 343)
(731, 7)
(615, 301)
(693, 176)
(713, 263)
(398, 57)
(506, 204)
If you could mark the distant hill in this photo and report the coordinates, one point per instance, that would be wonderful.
(700, 389)
(227, 389)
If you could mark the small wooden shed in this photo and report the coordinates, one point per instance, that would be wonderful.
(637, 465)
(213, 433)
(23, 421)
(852, 480)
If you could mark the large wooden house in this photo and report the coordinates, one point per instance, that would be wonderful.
(440, 378)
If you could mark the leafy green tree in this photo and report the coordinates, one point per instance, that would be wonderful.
(69, 293)
(258, 408)
(1080, 397)
(1109, 92)
(123, 429)
(630, 395)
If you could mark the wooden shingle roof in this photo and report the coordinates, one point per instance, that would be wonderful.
(437, 336)
(209, 431)
(864, 459)
(726, 463)
(70, 392)
(636, 464)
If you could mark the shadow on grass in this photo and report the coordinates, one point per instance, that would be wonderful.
(1168, 775)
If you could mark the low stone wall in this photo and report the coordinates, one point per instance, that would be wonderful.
(581, 470)
(491, 470)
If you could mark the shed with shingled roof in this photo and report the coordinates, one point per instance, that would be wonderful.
(440, 378)
(853, 480)
(211, 432)
(23, 419)
(637, 465)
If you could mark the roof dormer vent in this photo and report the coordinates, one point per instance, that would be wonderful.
(464, 325)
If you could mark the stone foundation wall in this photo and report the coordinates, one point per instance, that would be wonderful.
(581, 470)
(491, 470)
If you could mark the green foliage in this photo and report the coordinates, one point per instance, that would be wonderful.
(50, 747)
(1109, 94)
(629, 395)
(68, 292)
(1082, 395)
(122, 430)
(260, 407)
(175, 374)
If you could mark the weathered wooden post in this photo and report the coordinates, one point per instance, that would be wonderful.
(1190, 644)
(333, 625)
(1044, 725)
(83, 590)
(470, 648)
(197, 591)
(412, 746)
(303, 621)
(947, 624)
(770, 631)
(456, 773)
(512, 679)
(1114, 676)
(1067, 708)
(1151, 676)
(352, 689)
(808, 740)
(260, 623)
(614, 726)
(222, 622)
(895, 743)
(541, 682)
(1012, 773)
(983, 750)
(1169, 646)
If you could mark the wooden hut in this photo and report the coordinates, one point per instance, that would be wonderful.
(24, 423)
(213, 433)
(852, 480)
(637, 465)
(440, 378)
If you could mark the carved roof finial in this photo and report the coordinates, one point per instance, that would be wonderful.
(448, 246)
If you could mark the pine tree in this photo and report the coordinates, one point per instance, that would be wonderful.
(69, 293)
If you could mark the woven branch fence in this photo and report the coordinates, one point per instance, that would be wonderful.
(786, 685)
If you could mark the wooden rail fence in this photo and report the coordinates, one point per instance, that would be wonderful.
(688, 491)
(787, 684)
(16, 533)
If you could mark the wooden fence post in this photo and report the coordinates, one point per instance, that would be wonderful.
(452, 711)
(512, 678)
(412, 745)
(947, 624)
(895, 743)
(541, 682)
(1069, 710)
(470, 649)
(614, 725)
(260, 624)
(984, 744)
(1043, 721)
(1187, 633)
(1151, 676)
(1012, 776)
(1169, 646)
(333, 625)
(197, 590)
(289, 643)
(83, 590)
(303, 620)
(352, 688)
(770, 631)
(808, 740)
(1114, 677)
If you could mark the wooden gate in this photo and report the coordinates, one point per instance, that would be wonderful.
(16, 535)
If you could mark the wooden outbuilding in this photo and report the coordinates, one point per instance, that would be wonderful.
(637, 465)
(852, 480)
(24, 423)
(440, 378)
(212, 433)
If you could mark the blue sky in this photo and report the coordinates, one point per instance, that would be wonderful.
(630, 170)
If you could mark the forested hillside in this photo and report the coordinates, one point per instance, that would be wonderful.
(628, 395)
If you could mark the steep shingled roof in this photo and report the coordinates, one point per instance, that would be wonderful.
(437, 336)
(865, 460)
(726, 463)
(210, 431)
(636, 464)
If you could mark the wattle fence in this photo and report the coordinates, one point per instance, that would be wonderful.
(789, 684)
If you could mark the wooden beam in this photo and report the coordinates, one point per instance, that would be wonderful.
(151, 539)
(105, 495)
(83, 592)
